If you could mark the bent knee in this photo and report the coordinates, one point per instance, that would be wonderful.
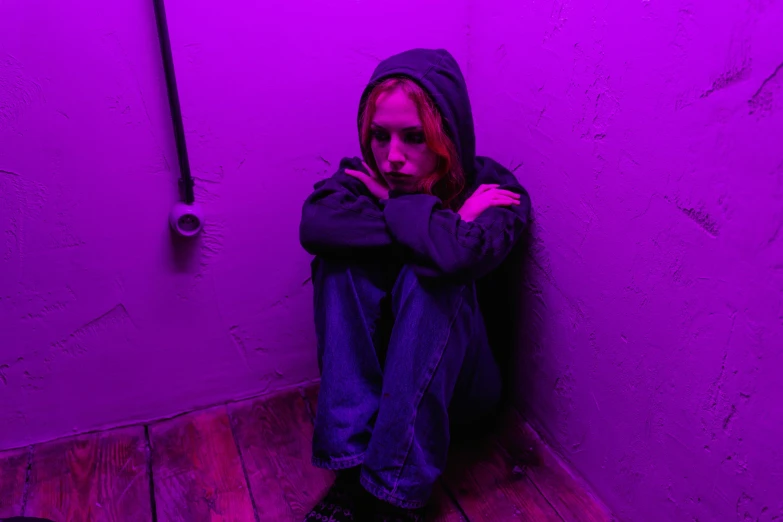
(410, 285)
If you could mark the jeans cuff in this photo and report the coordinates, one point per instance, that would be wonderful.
(338, 463)
(385, 495)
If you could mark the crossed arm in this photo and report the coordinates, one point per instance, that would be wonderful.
(344, 214)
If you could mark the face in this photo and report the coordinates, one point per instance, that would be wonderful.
(398, 143)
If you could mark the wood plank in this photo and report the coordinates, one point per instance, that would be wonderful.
(442, 508)
(95, 477)
(275, 436)
(565, 493)
(13, 470)
(489, 487)
(196, 469)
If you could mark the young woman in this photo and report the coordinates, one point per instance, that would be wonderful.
(400, 239)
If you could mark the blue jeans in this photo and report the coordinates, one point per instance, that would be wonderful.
(403, 359)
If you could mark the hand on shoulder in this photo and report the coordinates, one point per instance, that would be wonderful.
(374, 183)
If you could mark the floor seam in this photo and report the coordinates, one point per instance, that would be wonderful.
(530, 479)
(244, 467)
(28, 472)
(148, 443)
(453, 499)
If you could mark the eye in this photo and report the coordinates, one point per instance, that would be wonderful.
(415, 137)
(379, 135)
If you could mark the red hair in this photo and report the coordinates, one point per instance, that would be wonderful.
(447, 181)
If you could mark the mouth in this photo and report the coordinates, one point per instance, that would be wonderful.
(398, 176)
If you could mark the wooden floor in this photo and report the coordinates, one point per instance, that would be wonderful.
(250, 461)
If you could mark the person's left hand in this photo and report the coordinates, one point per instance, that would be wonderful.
(374, 183)
(487, 196)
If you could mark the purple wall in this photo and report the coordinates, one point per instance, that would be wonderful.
(651, 138)
(101, 324)
(649, 134)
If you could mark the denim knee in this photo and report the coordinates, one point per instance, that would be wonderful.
(434, 294)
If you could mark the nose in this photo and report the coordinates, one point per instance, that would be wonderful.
(396, 154)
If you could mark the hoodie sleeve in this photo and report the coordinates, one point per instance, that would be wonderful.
(341, 215)
(443, 244)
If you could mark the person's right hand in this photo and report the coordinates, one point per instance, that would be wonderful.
(486, 196)
(374, 183)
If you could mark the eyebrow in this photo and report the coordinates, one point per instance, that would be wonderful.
(406, 129)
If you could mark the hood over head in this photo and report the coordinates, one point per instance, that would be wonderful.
(438, 73)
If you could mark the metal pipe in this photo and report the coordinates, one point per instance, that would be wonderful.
(185, 178)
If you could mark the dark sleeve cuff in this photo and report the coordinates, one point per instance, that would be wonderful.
(395, 193)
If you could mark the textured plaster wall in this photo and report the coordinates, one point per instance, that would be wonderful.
(650, 134)
(103, 320)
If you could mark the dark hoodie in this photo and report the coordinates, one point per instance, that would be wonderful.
(342, 218)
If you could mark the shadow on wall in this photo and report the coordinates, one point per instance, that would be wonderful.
(509, 303)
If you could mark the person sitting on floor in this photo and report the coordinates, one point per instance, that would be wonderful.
(400, 237)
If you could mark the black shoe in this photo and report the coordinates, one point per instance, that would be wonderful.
(345, 501)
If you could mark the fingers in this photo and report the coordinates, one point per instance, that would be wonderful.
(371, 172)
(495, 191)
(369, 181)
(504, 194)
(485, 188)
(358, 175)
(501, 197)
(504, 201)
(372, 177)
